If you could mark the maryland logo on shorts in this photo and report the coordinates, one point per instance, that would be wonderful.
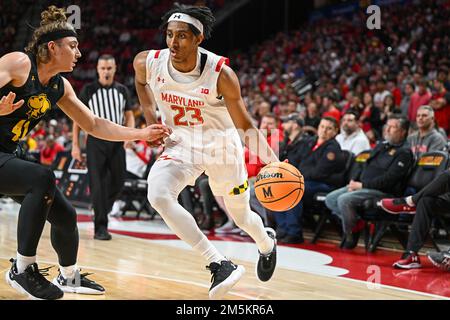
(38, 106)
(241, 189)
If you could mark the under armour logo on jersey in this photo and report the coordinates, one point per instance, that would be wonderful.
(161, 80)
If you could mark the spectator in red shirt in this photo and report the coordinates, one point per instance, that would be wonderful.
(440, 102)
(51, 149)
(329, 108)
(419, 98)
(269, 127)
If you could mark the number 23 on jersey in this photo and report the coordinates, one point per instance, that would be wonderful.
(187, 116)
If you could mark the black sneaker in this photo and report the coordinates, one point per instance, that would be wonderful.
(267, 262)
(440, 259)
(33, 283)
(224, 276)
(78, 284)
(350, 241)
(102, 234)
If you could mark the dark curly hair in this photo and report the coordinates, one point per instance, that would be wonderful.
(203, 14)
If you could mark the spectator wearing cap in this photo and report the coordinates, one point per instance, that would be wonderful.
(293, 134)
(317, 158)
(427, 138)
(352, 138)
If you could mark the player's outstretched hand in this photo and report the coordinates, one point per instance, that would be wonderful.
(156, 132)
(7, 104)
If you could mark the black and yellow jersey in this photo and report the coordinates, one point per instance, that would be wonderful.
(39, 99)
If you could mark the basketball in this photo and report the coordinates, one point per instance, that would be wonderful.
(279, 186)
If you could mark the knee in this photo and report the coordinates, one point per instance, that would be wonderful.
(159, 197)
(343, 200)
(424, 203)
(330, 202)
(44, 180)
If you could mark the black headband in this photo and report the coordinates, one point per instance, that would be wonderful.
(55, 35)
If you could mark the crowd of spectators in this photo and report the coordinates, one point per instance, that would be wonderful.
(11, 16)
(358, 77)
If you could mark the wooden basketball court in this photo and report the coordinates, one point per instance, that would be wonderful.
(133, 268)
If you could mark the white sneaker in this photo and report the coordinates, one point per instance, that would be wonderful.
(226, 228)
(116, 210)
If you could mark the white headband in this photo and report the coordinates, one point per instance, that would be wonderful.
(188, 19)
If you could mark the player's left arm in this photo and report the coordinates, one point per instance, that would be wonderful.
(228, 87)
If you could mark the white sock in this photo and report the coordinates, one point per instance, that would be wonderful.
(409, 201)
(266, 246)
(208, 251)
(68, 272)
(23, 262)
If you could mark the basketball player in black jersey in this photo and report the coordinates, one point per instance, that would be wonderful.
(30, 85)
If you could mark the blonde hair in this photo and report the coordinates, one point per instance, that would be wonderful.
(52, 19)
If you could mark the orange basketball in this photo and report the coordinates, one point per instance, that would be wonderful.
(279, 186)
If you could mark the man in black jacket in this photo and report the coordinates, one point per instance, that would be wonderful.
(385, 173)
(316, 158)
(293, 135)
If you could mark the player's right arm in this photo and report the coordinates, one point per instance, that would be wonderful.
(144, 92)
(14, 69)
(103, 128)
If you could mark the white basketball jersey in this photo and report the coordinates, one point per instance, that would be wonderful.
(197, 115)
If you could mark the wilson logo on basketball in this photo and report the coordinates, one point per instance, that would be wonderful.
(262, 176)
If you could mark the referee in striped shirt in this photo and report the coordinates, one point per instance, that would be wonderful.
(110, 100)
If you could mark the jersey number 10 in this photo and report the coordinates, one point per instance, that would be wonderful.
(184, 115)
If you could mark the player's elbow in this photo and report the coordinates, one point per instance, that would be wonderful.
(91, 126)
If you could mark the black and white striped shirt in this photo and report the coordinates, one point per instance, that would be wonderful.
(107, 102)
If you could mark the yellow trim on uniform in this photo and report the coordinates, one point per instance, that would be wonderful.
(238, 190)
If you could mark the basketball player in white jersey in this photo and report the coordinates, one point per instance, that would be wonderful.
(199, 97)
